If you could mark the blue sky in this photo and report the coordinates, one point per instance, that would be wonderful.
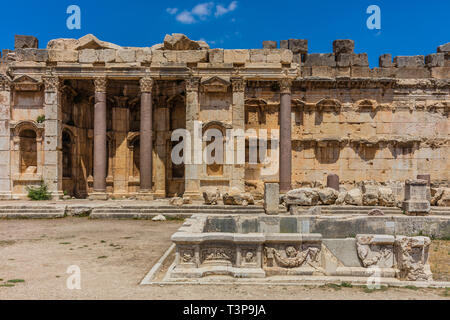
(407, 27)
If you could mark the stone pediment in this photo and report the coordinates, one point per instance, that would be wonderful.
(90, 41)
(26, 83)
(215, 84)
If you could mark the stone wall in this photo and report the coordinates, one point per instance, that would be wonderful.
(388, 123)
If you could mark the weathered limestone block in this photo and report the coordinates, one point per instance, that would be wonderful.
(90, 41)
(258, 55)
(343, 46)
(360, 60)
(354, 197)
(375, 250)
(38, 55)
(236, 56)
(178, 41)
(385, 61)
(386, 197)
(270, 44)
(370, 196)
(144, 55)
(412, 258)
(436, 195)
(271, 198)
(295, 45)
(416, 202)
(236, 197)
(328, 195)
(444, 200)
(409, 61)
(435, 60)
(159, 217)
(126, 55)
(344, 60)
(302, 197)
(159, 57)
(375, 212)
(341, 198)
(25, 42)
(286, 56)
(176, 201)
(106, 55)
(88, 56)
(216, 55)
(444, 47)
(211, 198)
(320, 59)
(62, 56)
(190, 56)
(62, 44)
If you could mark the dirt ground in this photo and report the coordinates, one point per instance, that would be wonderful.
(115, 255)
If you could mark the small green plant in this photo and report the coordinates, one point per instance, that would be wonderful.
(346, 285)
(366, 289)
(65, 192)
(102, 257)
(411, 287)
(40, 119)
(6, 285)
(16, 281)
(333, 286)
(39, 193)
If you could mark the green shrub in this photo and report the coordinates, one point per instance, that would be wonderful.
(40, 119)
(39, 193)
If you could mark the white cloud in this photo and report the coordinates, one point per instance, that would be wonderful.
(185, 17)
(201, 12)
(221, 10)
(172, 11)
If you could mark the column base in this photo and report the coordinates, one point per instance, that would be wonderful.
(6, 196)
(145, 195)
(159, 194)
(98, 196)
(194, 195)
(57, 195)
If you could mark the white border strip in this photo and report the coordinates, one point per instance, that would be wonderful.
(147, 279)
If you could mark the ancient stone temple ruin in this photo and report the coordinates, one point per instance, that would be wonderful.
(94, 119)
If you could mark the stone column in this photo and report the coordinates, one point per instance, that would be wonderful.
(161, 126)
(146, 138)
(285, 135)
(100, 156)
(5, 142)
(192, 170)
(238, 119)
(52, 173)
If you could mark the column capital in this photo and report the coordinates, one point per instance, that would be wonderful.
(238, 84)
(146, 84)
(285, 85)
(192, 84)
(51, 83)
(100, 84)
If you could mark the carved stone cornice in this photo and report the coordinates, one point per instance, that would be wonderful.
(146, 84)
(100, 84)
(238, 84)
(192, 84)
(51, 83)
(285, 85)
